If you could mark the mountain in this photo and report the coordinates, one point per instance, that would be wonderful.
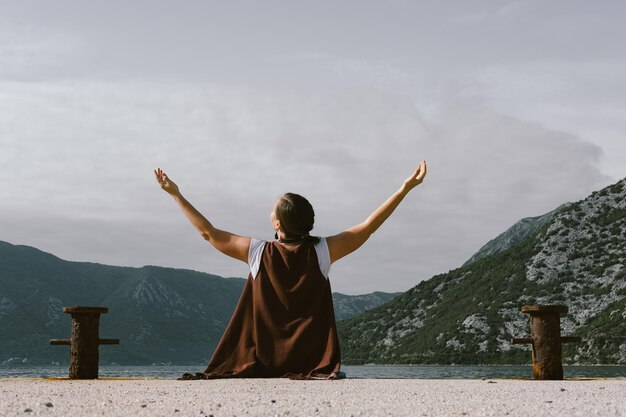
(575, 256)
(347, 306)
(160, 315)
(516, 234)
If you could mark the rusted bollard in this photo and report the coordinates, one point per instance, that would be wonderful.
(545, 338)
(84, 341)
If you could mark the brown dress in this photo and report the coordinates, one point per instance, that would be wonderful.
(284, 322)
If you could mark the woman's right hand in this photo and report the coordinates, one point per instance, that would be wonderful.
(417, 177)
(166, 183)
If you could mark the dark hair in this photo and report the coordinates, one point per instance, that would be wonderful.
(296, 215)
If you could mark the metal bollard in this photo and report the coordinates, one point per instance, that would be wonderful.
(84, 341)
(545, 338)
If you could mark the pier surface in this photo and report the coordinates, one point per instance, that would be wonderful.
(283, 397)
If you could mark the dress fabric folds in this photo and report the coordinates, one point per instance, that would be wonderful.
(283, 324)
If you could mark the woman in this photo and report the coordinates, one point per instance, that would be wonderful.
(284, 323)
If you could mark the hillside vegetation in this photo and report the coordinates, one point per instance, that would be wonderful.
(574, 256)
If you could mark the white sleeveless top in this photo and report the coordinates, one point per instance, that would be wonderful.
(256, 253)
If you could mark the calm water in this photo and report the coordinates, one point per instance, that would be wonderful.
(368, 371)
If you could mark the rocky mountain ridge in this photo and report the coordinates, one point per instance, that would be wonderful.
(576, 257)
(514, 235)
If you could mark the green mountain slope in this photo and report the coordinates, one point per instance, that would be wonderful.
(468, 315)
(160, 314)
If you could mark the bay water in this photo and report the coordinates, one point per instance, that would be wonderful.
(352, 371)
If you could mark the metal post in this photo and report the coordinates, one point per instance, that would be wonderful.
(84, 356)
(545, 338)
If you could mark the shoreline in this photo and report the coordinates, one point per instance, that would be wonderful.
(352, 371)
(284, 397)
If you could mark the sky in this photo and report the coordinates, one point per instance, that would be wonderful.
(517, 107)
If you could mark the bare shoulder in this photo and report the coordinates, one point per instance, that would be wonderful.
(346, 242)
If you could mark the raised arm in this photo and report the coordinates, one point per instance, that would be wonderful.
(226, 242)
(351, 239)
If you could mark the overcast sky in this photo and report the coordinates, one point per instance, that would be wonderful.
(517, 107)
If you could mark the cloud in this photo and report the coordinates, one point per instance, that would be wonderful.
(500, 13)
(24, 53)
(78, 158)
(507, 131)
(584, 98)
(377, 73)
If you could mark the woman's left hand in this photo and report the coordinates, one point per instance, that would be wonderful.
(166, 183)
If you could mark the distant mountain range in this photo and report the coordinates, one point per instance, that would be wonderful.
(161, 315)
(575, 255)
